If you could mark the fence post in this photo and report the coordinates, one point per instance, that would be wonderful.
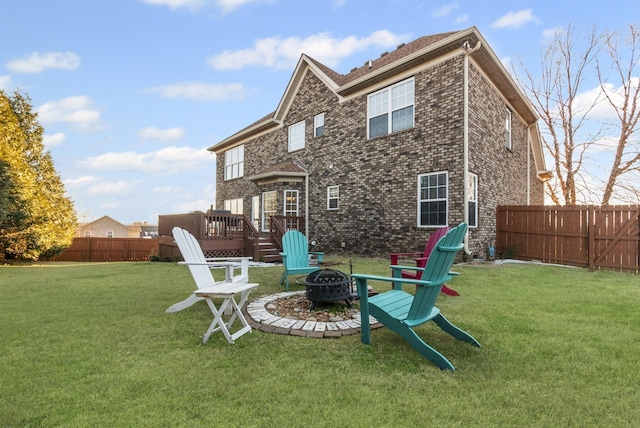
(591, 249)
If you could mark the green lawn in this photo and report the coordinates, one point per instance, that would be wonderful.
(89, 345)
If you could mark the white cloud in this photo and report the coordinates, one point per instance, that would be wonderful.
(176, 4)
(445, 10)
(515, 19)
(461, 19)
(550, 33)
(279, 53)
(202, 91)
(169, 160)
(4, 82)
(194, 205)
(153, 133)
(112, 188)
(79, 181)
(53, 139)
(164, 190)
(37, 63)
(231, 5)
(75, 110)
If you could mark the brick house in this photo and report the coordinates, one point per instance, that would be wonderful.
(104, 227)
(430, 134)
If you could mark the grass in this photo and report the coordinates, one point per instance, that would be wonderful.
(89, 345)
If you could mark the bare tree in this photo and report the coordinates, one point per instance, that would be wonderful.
(567, 134)
(624, 173)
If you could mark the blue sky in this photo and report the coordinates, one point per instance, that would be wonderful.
(132, 92)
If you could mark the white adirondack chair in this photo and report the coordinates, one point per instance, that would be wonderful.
(209, 289)
(200, 267)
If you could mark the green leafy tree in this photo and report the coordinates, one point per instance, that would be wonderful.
(36, 217)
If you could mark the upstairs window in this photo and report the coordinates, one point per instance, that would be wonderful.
(508, 129)
(296, 136)
(109, 233)
(318, 125)
(234, 162)
(391, 109)
(433, 199)
(333, 197)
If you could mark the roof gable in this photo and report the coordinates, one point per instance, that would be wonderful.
(389, 64)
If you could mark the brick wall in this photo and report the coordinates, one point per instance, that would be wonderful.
(378, 177)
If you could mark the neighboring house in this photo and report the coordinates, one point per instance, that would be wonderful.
(104, 227)
(431, 134)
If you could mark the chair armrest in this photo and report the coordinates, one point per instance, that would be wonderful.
(417, 269)
(394, 256)
(244, 263)
(210, 264)
(390, 279)
(421, 261)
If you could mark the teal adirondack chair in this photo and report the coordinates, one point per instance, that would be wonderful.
(295, 256)
(401, 312)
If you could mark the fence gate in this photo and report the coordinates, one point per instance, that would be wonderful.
(598, 237)
(614, 238)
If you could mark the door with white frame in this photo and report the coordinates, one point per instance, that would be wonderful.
(291, 208)
(255, 211)
(269, 206)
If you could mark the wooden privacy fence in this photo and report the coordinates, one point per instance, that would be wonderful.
(108, 250)
(598, 237)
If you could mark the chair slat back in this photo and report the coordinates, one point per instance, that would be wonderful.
(437, 271)
(192, 253)
(296, 248)
(431, 243)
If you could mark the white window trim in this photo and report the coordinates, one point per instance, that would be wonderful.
(318, 122)
(390, 109)
(446, 199)
(473, 196)
(508, 128)
(264, 211)
(234, 163)
(296, 137)
(331, 198)
(295, 194)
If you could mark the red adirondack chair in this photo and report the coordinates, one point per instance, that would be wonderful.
(421, 259)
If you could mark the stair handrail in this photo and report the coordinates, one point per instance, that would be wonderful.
(251, 238)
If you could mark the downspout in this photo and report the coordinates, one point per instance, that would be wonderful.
(467, 50)
(529, 145)
(306, 206)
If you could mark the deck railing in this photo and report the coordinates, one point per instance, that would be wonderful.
(279, 225)
(219, 232)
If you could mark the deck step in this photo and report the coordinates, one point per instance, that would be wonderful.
(268, 252)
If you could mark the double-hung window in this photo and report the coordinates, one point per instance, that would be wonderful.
(234, 205)
(234, 162)
(473, 200)
(318, 125)
(433, 199)
(333, 197)
(508, 129)
(391, 109)
(296, 136)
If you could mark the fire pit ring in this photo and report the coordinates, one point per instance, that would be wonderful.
(326, 286)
